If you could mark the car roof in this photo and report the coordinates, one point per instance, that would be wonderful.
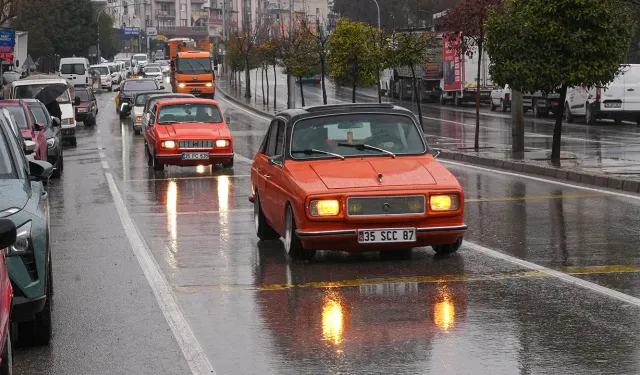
(15, 102)
(186, 101)
(145, 92)
(99, 65)
(332, 109)
(171, 95)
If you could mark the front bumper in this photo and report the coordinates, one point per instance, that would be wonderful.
(176, 159)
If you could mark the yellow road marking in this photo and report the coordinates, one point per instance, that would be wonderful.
(589, 270)
(535, 197)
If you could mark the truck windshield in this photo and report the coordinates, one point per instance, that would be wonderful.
(72, 69)
(196, 65)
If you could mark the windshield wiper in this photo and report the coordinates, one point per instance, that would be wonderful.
(364, 146)
(311, 151)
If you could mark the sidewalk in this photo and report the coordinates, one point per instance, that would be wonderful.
(608, 157)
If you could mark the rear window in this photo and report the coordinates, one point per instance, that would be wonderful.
(83, 95)
(72, 69)
(103, 70)
(139, 85)
(18, 114)
(171, 114)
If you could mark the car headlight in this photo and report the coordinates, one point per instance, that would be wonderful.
(209, 84)
(138, 118)
(68, 121)
(23, 243)
(181, 85)
(325, 207)
(222, 143)
(51, 142)
(82, 110)
(168, 144)
(444, 202)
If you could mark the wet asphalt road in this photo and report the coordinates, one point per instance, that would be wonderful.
(254, 311)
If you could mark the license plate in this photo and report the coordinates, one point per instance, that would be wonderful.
(387, 235)
(67, 132)
(613, 105)
(195, 90)
(195, 155)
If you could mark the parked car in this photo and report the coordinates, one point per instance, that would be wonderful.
(106, 79)
(29, 145)
(31, 130)
(188, 132)
(76, 70)
(86, 107)
(25, 202)
(129, 88)
(51, 91)
(127, 68)
(7, 239)
(153, 99)
(52, 132)
(356, 178)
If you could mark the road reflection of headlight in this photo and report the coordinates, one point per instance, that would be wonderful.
(444, 311)
(332, 319)
(172, 216)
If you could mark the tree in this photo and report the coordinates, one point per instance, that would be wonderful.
(467, 19)
(250, 36)
(544, 45)
(408, 50)
(321, 40)
(300, 59)
(269, 54)
(234, 59)
(109, 45)
(8, 10)
(31, 18)
(352, 55)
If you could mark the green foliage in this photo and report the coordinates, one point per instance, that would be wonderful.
(353, 54)
(268, 51)
(468, 18)
(300, 59)
(541, 45)
(407, 49)
(109, 44)
(234, 58)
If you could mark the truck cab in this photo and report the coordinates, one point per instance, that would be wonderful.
(192, 70)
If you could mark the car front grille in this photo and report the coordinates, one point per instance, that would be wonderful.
(195, 144)
(407, 205)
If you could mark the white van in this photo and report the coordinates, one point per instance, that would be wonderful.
(619, 100)
(140, 61)
(105, 75)
(76, 70)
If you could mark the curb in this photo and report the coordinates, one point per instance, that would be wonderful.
(603, 181)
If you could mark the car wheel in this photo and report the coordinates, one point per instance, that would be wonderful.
(149, 157)
(122, 115)
(263, 229)
(110, 88)
(38, 331)
(292, 243)
(57, 172)
(448, 249)
(157, 165)
(503, 105)
(7, 355)
(617, 121)
(228, 165)
(74, 141)
(493, 106)
(568, 116)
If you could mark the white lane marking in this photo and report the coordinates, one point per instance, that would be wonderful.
(557, 274)
(105, 165)
(191, 349)
(244, 110)
(609, 192)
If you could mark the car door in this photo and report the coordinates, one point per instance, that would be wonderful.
(267, 150)
(150, 130)
(273, 176)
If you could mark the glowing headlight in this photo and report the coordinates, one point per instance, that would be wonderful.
(222, 143)
(138, 118)
(51, 142)
(209, 84)
(181, 85)
(329, 207)
(23, 241)
(168, 144)
(447, 202)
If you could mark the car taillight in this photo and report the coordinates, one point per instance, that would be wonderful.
(506, 96)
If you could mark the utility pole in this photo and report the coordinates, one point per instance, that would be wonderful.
(291, 89)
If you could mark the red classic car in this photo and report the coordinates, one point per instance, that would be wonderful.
(187, 132)
(7, 238)
(353, 178)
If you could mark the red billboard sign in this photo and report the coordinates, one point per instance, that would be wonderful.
(452, 65)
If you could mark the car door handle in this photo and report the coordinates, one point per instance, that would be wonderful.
(267, 176)
(631, 90)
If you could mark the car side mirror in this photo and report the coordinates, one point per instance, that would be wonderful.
(116, 89)
(29, 147)
(275, 160)
(161, 87)
(125, 107)
(55, 122)
(38, 126)
(435, 152)
(39, 170)
(7, 233)
(76, 101)
(228, 120)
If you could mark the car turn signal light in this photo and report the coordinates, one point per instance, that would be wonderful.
(181, 85)
(138, 118)
(209, 84)
(448, 202)
(168, 144)
(222, 143)
(328, 207)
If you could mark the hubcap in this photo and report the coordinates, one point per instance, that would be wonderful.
(288, 230)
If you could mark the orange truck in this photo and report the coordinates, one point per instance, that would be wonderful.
(191, 67)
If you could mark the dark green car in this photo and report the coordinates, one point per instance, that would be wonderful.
(24, 200)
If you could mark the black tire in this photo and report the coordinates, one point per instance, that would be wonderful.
(149, 157)
(122, 115)
(38, 332)
(7, 355)
(617, 121)
(448, 249)
(493, 106)
(228, 165)
(590, 117)
(73, 141)
(292, 243)
(263, 229)
(568, 116)
(110, 89)
(396, 254)
(503, 105)
(157, 165)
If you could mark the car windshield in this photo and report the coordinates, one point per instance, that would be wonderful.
(139, 85)
(39, 114)
(72, 69)
(188, 112)
(162, 63)
(142, 98)
(140, 58)
(199, 65)
(83, 95)
(153, 69)
(18, 114)
(103, 70)
(7, 170)
(31, 91)
(356, 135)
(113, 68)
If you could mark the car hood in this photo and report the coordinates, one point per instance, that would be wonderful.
(196, 130)
(12, 196)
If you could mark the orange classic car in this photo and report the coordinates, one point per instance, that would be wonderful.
(187, 132)
(356, 177)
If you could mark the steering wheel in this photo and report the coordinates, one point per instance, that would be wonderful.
(383, 141)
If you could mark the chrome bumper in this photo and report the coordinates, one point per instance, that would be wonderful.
(354, 232)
